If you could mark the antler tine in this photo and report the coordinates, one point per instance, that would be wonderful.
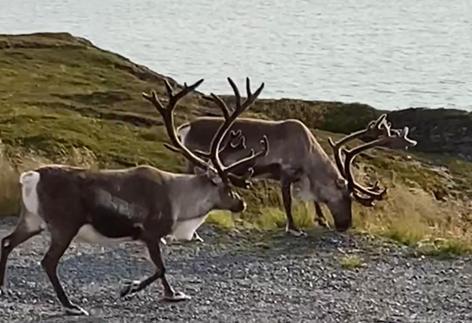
(251, 158)
(169, 88)
(154, 100)
(235, 136)
(364, 200)
(237, 96)
(248, 87)
(173, 99)
(350, 155)
(400, 139)
(236, 141)
(221, 104)
(378, 124)
(251, 97)
(242, 181)
(167, 115)
(247, 165)
(383, 125)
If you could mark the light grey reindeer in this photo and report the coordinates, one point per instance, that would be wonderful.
(300, 164)
(141, 203)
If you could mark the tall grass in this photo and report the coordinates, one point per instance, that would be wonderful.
(10, 168)
(9, 189)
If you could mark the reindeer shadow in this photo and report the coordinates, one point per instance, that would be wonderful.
(316, 241)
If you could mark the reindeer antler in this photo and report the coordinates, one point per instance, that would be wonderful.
(375, 128)
(386, 137)
(230, 118)
(167, 113)
(236, 142)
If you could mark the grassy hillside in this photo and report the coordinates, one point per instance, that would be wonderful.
(64, 100)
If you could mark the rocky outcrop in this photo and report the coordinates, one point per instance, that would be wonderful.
(445, 131)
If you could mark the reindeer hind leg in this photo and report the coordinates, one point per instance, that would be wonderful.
(28, 226)
(30, 222)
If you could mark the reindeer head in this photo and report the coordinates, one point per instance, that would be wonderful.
(346, 186)
(217, 179)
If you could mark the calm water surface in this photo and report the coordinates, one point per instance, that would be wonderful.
(390, 54)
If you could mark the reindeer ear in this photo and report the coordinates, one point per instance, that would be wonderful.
(215, 178)
(211, 175)
(199, 171)
(341, 183)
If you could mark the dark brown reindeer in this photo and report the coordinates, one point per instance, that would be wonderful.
(142, 203)
(297, 160)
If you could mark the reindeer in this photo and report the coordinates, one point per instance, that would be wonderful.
(300, 164)
(141, 203)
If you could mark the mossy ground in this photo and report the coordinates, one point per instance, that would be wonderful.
(63, 100)
(350, 262)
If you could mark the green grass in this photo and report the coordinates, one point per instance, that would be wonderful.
(221, 219)
(351, 262)
(63, 100)
(444, 248)
(54, 134)
(10, 190)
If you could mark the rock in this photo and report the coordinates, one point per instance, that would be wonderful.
(445, 131)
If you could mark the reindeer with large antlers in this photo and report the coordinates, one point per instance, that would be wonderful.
(141, 203)
(300, 164)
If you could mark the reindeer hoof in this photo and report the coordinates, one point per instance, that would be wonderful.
(176, 297)
(323, 224)
(296, 233)
(130, 288)
(75, 310)
(4, 292)
(7, 292)
(196, 237)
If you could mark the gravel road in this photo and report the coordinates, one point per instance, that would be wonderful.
(235, 278)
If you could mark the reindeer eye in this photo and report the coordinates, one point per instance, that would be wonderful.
(341, 183)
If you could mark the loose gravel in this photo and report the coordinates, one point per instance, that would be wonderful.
(236, 278)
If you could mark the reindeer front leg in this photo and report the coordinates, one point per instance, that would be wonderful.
(319, 216)
(135, 286)
(291, 228)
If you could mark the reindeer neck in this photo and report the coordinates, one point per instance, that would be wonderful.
(320, 168)
(191, 196)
